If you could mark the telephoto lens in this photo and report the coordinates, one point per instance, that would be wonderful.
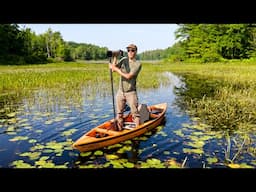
(109, 53)
(115, 53)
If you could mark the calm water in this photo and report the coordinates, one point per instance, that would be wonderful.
(37, 130)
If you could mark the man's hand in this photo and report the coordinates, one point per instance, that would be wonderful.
(113, 64)
(113, 67)
(110, 66)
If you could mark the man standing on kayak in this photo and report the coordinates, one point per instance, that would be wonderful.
(128, 69)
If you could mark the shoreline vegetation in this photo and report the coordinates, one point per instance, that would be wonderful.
(221, 94)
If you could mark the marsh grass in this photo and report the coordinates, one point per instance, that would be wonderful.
(224, 95)
(70, 75)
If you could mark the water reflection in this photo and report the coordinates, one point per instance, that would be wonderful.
(194, 87)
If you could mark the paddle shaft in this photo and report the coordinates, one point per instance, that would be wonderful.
(112, 89)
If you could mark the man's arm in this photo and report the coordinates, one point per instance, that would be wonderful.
(114, 68)
(125, 75)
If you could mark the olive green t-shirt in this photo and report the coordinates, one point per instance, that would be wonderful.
(134, 67)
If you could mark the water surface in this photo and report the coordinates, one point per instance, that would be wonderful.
(38, 129)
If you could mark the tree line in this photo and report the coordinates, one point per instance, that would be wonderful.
(209, 43)
(22, 46)
(195, 42)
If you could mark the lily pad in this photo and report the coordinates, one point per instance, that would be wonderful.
(244, 165)
(32, 141)
(69, 132)
(98, 152)
(111, 156)
(19, 138)
(172, 163)
(21, 164)
(58, 119)
(12, 120)
(186, 125)
(124, 149)
(37, 147)
(11, 114)
(196, 144)
(85, 154)
(67, 124)
(233, 165)
(11, 133)
(87, 166)
(198, 151)
(44, 164)
(31, 155)
(179, 133)
(128, 165)
(114, 146)
(48, 122)
(48, 151)
(211, 160)
(117, 164)
(152, 163)
(11, 128)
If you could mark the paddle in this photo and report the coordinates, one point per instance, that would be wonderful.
(113, 99)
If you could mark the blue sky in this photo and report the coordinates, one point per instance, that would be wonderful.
(114, 36)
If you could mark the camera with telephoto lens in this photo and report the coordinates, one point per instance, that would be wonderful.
(115, 53)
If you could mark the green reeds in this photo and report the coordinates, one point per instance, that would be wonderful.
(229, 100)
(70, 76)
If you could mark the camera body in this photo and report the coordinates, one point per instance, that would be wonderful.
(115, 53)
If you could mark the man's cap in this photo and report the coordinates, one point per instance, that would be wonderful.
(132, 46)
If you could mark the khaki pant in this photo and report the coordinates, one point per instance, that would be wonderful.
(131, 99)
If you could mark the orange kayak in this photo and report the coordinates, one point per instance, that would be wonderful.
(104, 135)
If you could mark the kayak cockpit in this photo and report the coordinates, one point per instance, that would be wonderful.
(107, 129)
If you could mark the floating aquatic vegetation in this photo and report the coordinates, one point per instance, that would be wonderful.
(118, 145)
(179, 133)
(31, 155)
(172, 163)
(37, 147)
(67, 124)
(197, 151)
(162, 133)
(124, 149)
(152, 163)
(98, 152)
(43, 163)
(48, 151)
(196, 144)
(48, 122)
(69, 132)
(11, 115)
(19, 138)
(111, 156)
(21, 164)
(119, 163)
(10, 128)
(166, 152)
